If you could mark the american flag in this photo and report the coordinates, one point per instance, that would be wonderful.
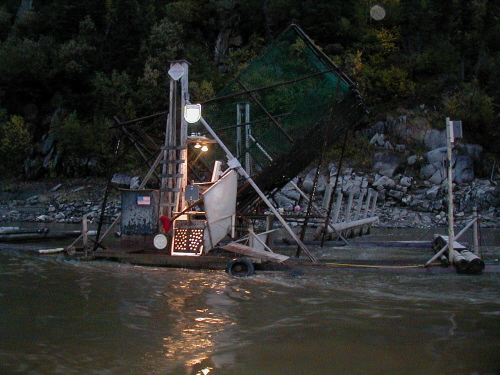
(143, 200)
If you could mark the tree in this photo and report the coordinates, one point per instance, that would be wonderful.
(14, 145)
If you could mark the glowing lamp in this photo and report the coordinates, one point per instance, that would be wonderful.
(192, 113)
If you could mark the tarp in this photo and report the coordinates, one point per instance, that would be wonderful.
(220, 207)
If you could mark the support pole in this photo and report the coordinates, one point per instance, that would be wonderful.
(449, 146)
(338, 205)
(349, 206)
(476, 230)
(235, 164)
(359, 205)
(85, 235)
(310, 203)
(367, 203)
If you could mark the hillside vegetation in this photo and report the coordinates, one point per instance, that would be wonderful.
(67, 68)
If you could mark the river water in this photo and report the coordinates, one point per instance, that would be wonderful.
(61, 316)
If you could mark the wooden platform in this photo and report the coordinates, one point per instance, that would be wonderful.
(165, 260)
(207, 261)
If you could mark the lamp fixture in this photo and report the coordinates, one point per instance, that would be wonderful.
(197, 145)
(204, 148)
(192, 112)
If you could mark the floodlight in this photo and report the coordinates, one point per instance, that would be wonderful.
(192, 112)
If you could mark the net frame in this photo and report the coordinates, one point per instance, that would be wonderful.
(300, 100)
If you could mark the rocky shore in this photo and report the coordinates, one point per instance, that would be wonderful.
(65, 201)
(401, 202)
(409, 177)
(410, 185)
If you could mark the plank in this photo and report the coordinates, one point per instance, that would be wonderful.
(442, 240)
(254, 253)
(355, 223)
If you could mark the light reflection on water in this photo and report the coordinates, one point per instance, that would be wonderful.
(68, 317)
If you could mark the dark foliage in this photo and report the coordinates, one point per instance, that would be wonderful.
(95, 59)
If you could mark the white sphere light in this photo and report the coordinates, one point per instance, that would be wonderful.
(377, 12)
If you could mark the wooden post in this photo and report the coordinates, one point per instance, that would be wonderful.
(338, 205)
(327, 195)
(367, 209)
(367, 203)
(85, 237)
(349, 206)
(359, 204)
(269, 222)
(374, 204)
(357, 213)
(449, 147)
(475, 233)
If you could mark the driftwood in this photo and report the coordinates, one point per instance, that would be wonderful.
(475, 264)
(460, 262)
(20, 235)
(464, 260)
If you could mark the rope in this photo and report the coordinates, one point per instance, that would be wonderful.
(372, 266)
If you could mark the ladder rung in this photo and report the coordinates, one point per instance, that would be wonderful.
(171, 161)
(174, 148)
(171, 175)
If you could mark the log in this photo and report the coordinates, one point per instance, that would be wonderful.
(6, 230)
(442, 258)
(51, 251)
(39, 235)
(438, 254)
(460, 262)
(14, 230)
(475, 264)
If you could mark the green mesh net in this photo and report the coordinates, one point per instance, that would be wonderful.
(280, 111)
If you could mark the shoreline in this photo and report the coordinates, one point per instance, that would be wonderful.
(68, 200)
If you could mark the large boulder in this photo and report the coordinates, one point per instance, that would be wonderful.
(475, 152)
(436, 155)
(434, 173)
(283, 202)
(384, 182)
(434, 138)
(385, 163)
(463, 169)
(121, 180)
(308, 183)
(290, 192)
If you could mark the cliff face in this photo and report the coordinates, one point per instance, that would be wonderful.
(403, 161)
